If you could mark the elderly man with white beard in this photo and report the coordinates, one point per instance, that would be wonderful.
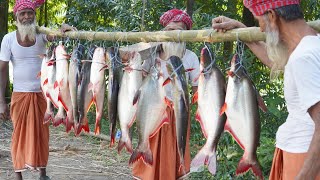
(30, 137)
(293, 47)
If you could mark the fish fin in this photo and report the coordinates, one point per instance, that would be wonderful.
(97, 126)
(132, 120)
(223, 109)
(244, 166)
(62, 102)
(69, 123)
(61, 83)
(45, 81)
(50, 63)
(204, 157)
(146, 156)
(50, 97)
(136, 97)
(167, 81)
(190, 69)
(198, 118)
(168, 102)
(125, 143)
(230, 131)
(55, 84)
(195, 97)
(164, 121)
(39, 74)
(57, 121)
(104, 67)
(261, 103)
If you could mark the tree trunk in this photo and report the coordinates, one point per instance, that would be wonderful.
(4, 18)
(3, 31)
(190, 7)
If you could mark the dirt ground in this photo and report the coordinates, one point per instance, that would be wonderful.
(80, 158)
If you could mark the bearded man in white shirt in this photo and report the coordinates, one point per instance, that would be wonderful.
(293, 47)
(30, 137)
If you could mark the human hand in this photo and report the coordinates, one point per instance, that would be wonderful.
(222, 24)
(66, 27)
(4, 111)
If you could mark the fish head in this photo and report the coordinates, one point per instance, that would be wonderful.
(61, 52)
(135, 59)
(206, 58)
(236, 67)
(99, 55)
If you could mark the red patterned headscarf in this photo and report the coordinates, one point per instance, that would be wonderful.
(27, 4)
(259, 7)
(176, 15)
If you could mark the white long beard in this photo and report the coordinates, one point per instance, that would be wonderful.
(173, 49)
(27, 30)
(277, 51)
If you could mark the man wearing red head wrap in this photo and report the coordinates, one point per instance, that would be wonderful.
(166, 161)
(30, 137)
(293, 47)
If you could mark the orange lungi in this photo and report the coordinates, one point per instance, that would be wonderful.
(30, 137)
(166, 161)
(286, 166)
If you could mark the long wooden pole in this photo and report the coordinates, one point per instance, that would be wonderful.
(249, 34)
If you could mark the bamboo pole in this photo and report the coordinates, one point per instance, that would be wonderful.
(249, 34)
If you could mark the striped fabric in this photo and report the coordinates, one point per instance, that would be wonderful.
(259, 7)
(27, 4)
(176, 15)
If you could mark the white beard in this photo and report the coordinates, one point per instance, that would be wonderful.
(173, 49)
(27, 30)
(276, 50)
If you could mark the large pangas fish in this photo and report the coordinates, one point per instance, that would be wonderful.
(84, 98)
(243, 122)
(151, 113)
(75, 78)
(181, 105)
(130, 83)
(115, 75)
(62, 84)
(46, 67)
(210, 97)
(97, 84)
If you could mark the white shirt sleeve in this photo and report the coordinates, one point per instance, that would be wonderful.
(5, 53)
(306, 72)
(194, 61)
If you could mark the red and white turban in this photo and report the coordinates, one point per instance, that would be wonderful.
(176, 15)
(27, 4)
(259, 7)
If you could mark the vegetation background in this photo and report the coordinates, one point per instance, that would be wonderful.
(143, 15)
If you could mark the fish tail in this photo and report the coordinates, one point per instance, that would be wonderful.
(69, 124)
(98, 125)
(146, 156)
(125, 143)
(47, 118)
(244, 166)
(204, 158)
(57, 121)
